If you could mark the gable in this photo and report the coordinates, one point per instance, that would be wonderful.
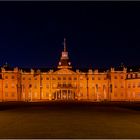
(64, 71)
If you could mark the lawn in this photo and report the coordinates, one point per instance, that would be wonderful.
(69, 120)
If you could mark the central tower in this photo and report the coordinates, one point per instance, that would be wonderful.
(64, 60)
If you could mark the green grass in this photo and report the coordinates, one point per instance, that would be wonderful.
(69, 121)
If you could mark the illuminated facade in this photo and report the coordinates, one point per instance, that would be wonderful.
(65, 83)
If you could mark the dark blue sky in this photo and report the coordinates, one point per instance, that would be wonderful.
(99, 34)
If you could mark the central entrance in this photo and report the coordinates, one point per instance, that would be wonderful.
(64, 94)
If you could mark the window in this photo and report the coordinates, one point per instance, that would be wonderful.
(133, 85)
(13, 85)
(115, 94)
(121, 85)
(47, 85)
(35, 86)
(59, 78)
(97, 87)
(129, 76)
(99, 78)
(30, 85)
(81, 78)
(133, 75)
(29, 78)
(69, 78)
(47, 94)
(138, 84)
(41, 78)
(129, 85)
(64, 84)
(23, 78)
(75, 85)
(75, 78)
(47, 78)
(104, 78)
(138, 75)
(54, 85)
(35, 94)
(6, 94)
(104, 87)
(35, 78)
(121, 77)
(12, 77)
(64, 78)
(92, 78)
(81, 85)
(115, 86)
(6, 85)
(111, 88)
(53, 78)
(13, 94)
(115, 77)
(6, 77)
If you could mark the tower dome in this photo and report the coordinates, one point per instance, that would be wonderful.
(64, 60)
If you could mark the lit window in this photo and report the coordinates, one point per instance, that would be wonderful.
(81, 78)
(129, 75)
(138, 75)
(13, 85)
(133, 75)
(54, 85)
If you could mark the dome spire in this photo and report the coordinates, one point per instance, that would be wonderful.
(64, 44)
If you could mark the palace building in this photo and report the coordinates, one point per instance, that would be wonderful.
(67, 83)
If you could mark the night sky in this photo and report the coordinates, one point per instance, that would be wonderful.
(99, 34)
